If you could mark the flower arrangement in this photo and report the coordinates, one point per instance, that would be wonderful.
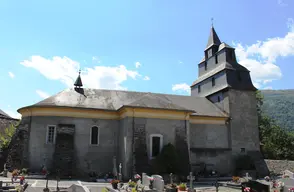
(235, 179)
(14, 172)
(151, 179)
(114, 181)
(291, 189)
(132, 184)
(182, 187)
(137, 176)
(172, 185)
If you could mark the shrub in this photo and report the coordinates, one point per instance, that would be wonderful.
(167, 161)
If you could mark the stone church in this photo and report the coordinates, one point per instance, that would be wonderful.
(80, 130)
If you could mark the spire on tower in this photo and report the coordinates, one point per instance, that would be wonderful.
(78, 83)
(213, 37)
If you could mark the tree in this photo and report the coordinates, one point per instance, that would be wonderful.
(277, 142)
(6, 136)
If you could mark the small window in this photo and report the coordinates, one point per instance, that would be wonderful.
(242, 150)
(95, 135)
(218, 99)
(239, 76)
(213, 81)
(156, 143)
(205, 66)
(216, 59)
(199, 88)
(50, 139)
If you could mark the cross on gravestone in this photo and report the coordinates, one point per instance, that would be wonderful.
(216, 185)
(191, 178)
(171, 178)
(119, 174)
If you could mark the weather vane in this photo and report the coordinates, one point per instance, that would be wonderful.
(212, 21)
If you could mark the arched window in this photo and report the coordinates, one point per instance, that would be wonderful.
(94, 135)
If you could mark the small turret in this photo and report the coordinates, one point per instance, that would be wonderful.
(78, 83)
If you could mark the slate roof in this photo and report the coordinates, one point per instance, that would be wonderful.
(213, 39)
(219, 68)
(115, 99)
(3, 114)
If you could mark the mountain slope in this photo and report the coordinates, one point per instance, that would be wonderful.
(279, 105)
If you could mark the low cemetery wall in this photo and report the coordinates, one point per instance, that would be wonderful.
(279, 166)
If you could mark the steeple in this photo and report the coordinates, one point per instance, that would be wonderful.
(78, 83)
(213, 39)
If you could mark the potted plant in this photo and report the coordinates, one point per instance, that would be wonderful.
(182, 187)
(171, 187)
(114, 183)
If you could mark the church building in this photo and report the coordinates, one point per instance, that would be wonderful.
(80, 130)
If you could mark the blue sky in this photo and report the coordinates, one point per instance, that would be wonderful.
(140, 45)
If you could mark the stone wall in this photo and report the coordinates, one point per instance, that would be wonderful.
(244, 121)
(97, 158)
(278, 166)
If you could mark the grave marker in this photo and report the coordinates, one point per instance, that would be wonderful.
(119, 174)
(191, 178)
(158, 182)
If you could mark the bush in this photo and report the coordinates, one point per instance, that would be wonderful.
(167, 161)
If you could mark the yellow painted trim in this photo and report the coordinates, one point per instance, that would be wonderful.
(68, 112)
(208, 120)
(122, 113)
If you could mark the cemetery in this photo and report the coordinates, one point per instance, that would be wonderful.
(155, 183)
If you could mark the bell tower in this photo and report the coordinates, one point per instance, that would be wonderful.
(227, 84)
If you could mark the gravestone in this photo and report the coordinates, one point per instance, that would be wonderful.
(158, 183)
(256, 186)
(145, 179)
(288, 183)
(77, 188)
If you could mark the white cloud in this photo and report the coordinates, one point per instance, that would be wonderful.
(42, 94)
(268, 88)
(66, 70)
(11, 75)
(138, 64)
(260, 58)
(181, 87)
(146, 78)
(13, 114)
(282, 3)
(180, 62)
(96, 59)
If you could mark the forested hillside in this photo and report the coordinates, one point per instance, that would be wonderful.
(279, 105)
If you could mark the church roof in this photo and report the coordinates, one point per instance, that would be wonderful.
(213, 39)
(115, 99)
(3, 114)
(219, 68)
(78, 82)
